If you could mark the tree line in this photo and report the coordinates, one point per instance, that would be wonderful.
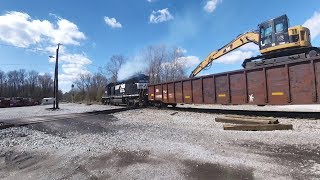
(22, 83)
(88, 87)
(160, 62)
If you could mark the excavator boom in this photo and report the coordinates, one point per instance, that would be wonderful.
(277, 43)
(236, 43)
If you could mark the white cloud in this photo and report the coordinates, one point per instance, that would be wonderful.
(160, 16)
(249, 47)
(246, 51)
(81, 59)
(132, 67)
(211, 5)
(181, 50)
(72, 66)
(18, 28)
(67, 33)
(150, 1)
(189, 61)
(314, 25)
(112, 22)
(235, 57)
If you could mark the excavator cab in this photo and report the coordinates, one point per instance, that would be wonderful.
(273, 32)
(275, 35)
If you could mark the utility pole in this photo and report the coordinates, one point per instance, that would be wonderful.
(54, 88)
(56, 93)
(72, 96)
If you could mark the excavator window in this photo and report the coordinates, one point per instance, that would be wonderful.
(303, 33)
(266, 34)
(279, 27)
(266, 31)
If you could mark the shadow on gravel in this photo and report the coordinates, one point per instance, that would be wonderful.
(12, 160)
(204, 171)
(127, 158)
(17, 165)
(93, 124)
(113, 162)
(297, 157)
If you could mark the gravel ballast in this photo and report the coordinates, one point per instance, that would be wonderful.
(298, 108)
(158, 144)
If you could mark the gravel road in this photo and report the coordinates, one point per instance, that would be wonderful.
(157, 144)
(45, 110)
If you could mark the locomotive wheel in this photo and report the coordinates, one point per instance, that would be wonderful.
(128, 104)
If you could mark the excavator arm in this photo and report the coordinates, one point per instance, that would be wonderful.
(236, 43)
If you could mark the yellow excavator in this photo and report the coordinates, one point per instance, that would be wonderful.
(277, 43)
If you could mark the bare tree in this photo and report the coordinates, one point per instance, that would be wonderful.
(2, 83)
(25, 84)
(13, 83)
(155, 56)
(98, 84)
(32, 82)
(46, 84)
(90, 87)
(164, 64)
(112, 68)
(176, 68)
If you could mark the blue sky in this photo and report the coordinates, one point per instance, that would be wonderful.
(197, 26)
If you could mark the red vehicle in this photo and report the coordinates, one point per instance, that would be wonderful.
(4, 102)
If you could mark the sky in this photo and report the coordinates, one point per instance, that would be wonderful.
(92, 31)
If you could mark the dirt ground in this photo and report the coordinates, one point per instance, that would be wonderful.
(157, 144)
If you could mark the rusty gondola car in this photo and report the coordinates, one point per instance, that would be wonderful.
(290, 82)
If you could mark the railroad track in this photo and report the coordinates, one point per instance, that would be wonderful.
(17, 122)
(282, 114)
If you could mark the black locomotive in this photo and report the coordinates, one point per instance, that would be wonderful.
(132, 91)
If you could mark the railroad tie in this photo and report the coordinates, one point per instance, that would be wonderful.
(258, 127)
(251, 123)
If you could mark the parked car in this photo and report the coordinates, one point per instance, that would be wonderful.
(46, 101)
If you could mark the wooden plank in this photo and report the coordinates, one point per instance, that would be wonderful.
(250, 117)
(258, 127)
(245, 120)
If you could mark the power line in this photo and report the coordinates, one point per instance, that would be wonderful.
(34, 49)
(96, 66)
(24, 64)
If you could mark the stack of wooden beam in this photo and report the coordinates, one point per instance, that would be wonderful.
(252, 123)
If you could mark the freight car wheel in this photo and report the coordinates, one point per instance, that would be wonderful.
(174, 105)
